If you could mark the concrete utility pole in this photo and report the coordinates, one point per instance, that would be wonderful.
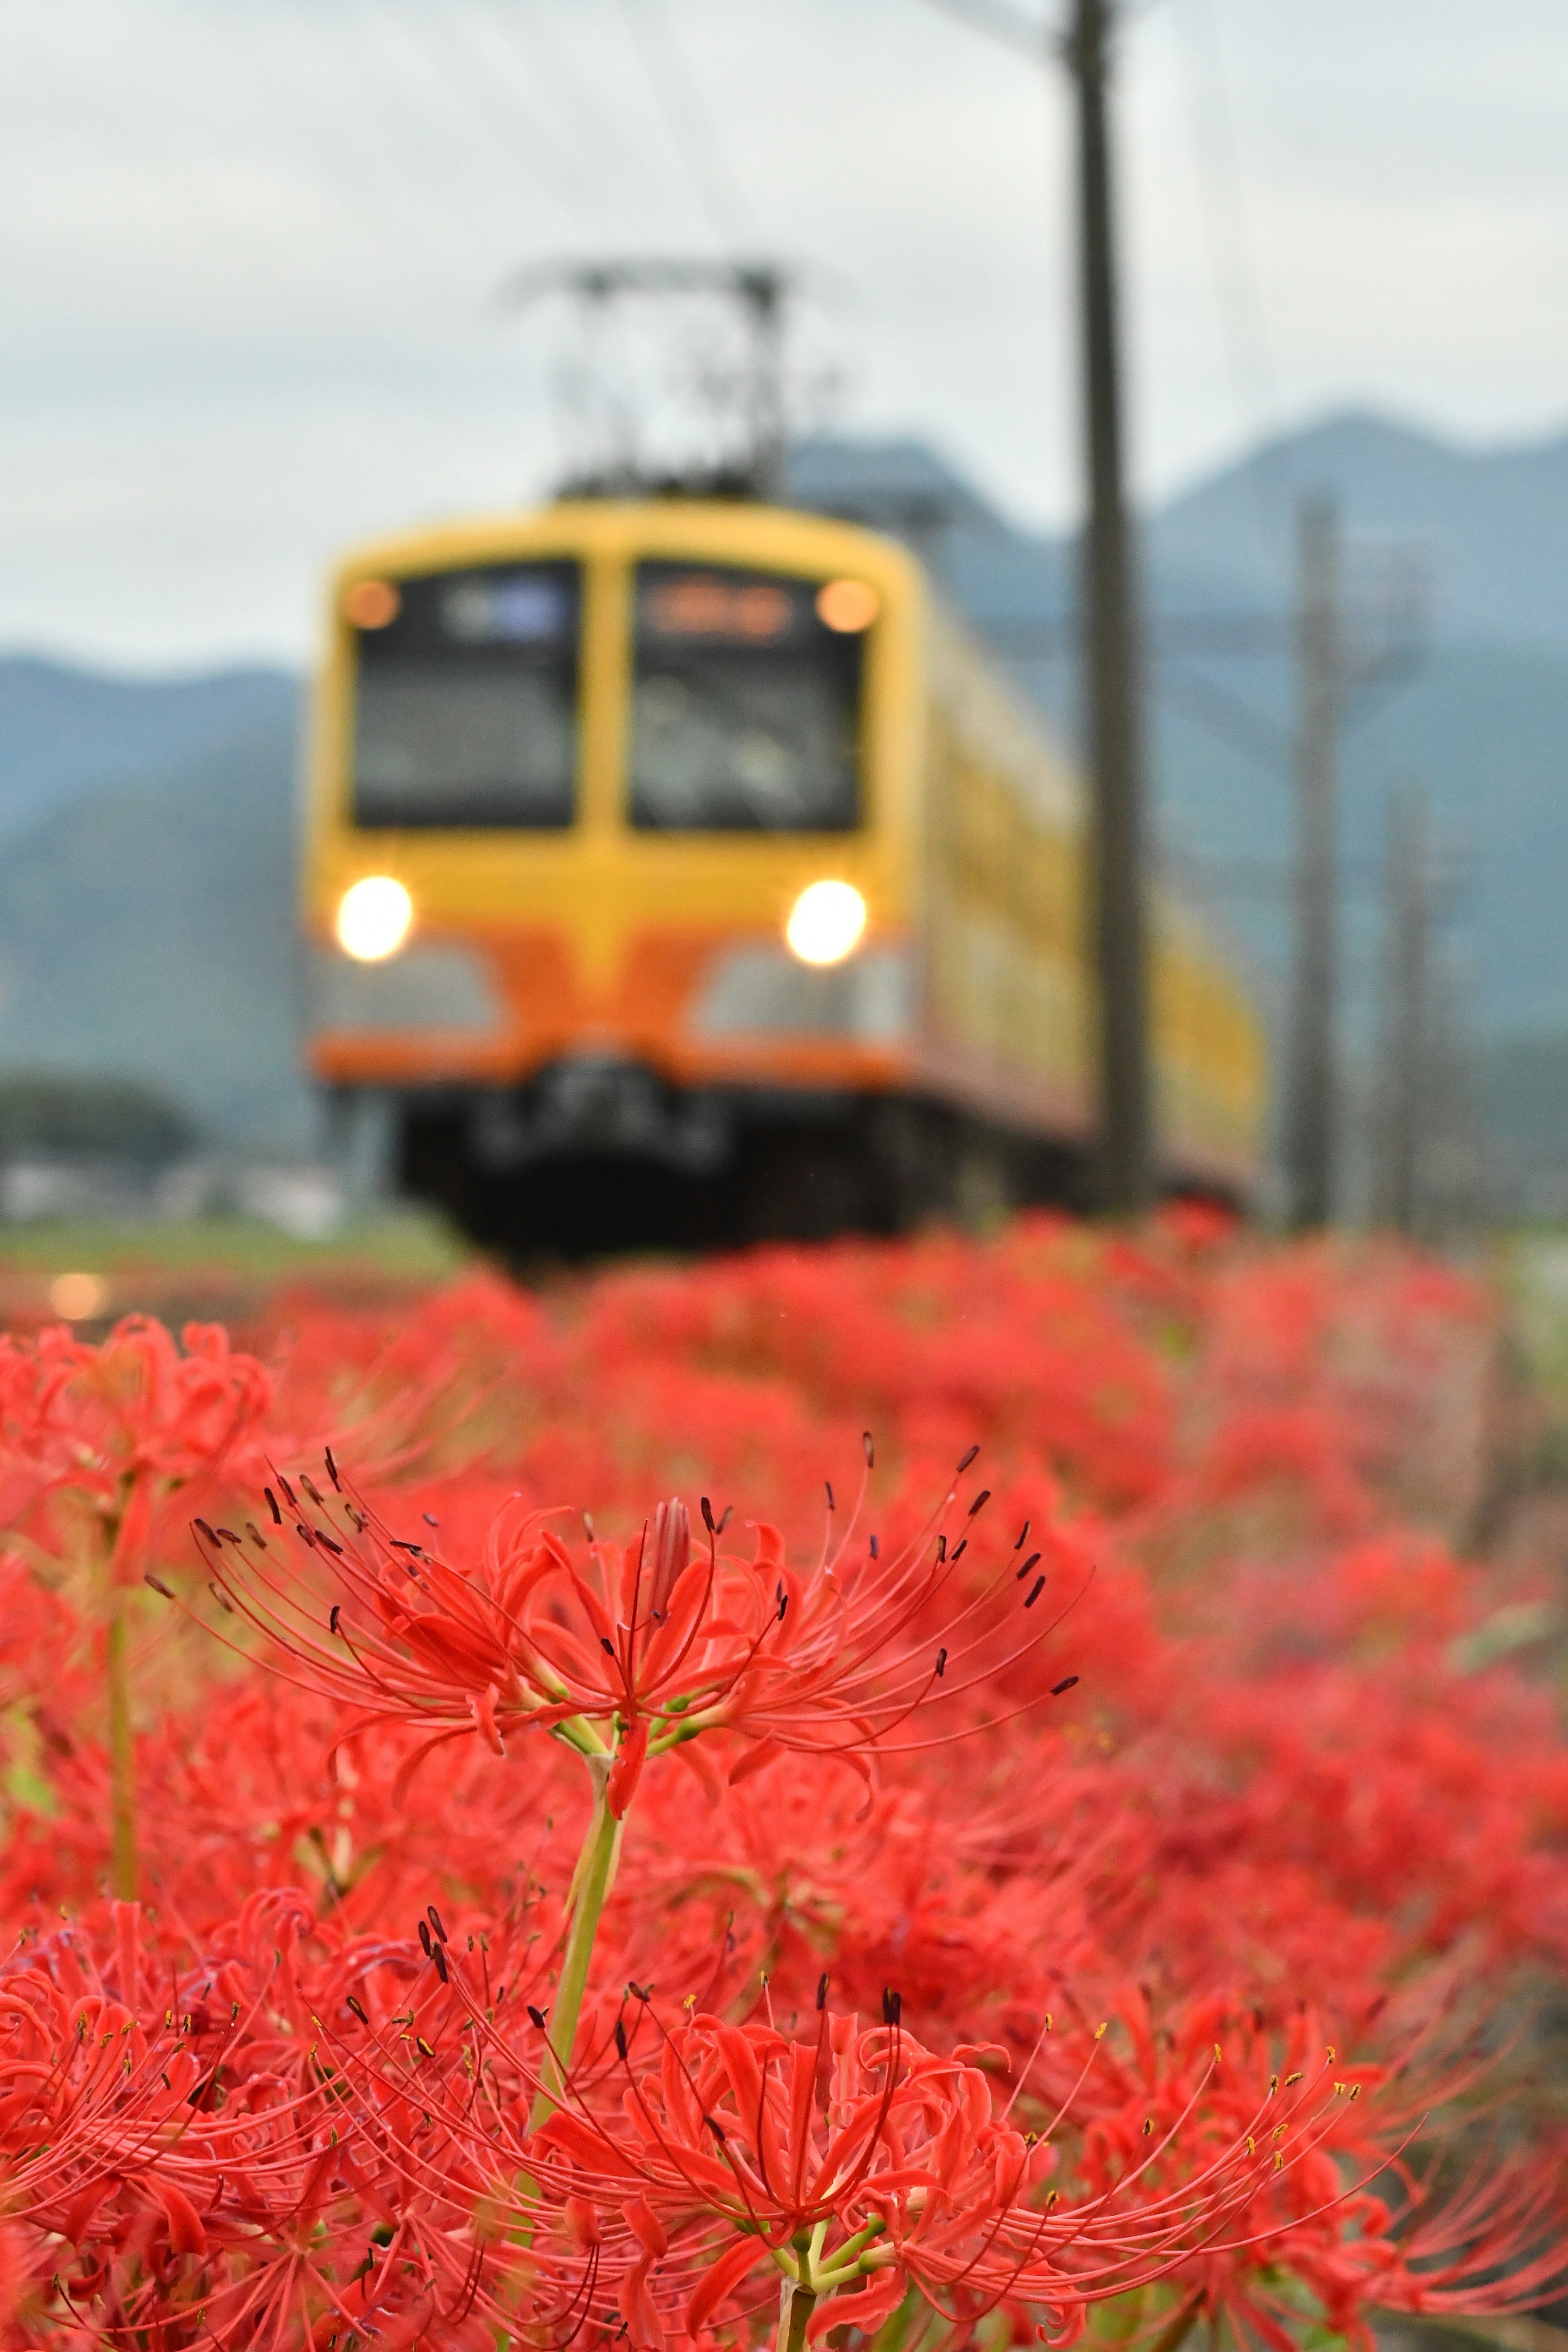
(1319, 652)
(1112, 666)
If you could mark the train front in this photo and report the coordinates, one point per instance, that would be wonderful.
(609, 868)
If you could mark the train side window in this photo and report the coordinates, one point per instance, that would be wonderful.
(746, 700)
(465, 705)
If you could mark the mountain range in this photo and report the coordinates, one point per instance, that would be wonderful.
(1494, 522)
(147, 888)
(146, 824)
(65, 732)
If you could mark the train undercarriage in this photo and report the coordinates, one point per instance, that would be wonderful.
(598, 1157)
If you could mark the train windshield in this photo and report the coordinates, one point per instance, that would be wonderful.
(746, 702)
(466, 700)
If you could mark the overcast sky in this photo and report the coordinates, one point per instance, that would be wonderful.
(250, 249)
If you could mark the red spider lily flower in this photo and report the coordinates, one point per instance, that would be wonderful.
(648, 1644)
(853, 2164)
(407, 1639)
(529, 1641)
(124, 1424)
(1309, 2233)
(204, 2171)
(1333, 1782)
(845, 1654)
(1493, 2244)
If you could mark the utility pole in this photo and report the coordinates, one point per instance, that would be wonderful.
(1111, 659)
(1405, 1108)
(1319, 662)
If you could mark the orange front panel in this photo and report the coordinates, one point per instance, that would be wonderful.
(642, 1011)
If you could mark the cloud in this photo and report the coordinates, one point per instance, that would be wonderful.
(249, 249)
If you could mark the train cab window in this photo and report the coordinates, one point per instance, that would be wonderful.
(466, 698)
(746, 702)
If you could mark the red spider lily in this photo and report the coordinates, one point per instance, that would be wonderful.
(649, 1645)
(854, 2164)
(1310, 1768)
(112, 1431)
(411, 1640)
(208, 2174)
(1310, 2235)
(1493, 2244)
(1024, 1341)
(845, 1654)
(123, 1424)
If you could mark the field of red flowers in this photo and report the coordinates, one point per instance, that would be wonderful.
(898, 1795)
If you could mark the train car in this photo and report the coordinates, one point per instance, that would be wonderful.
(680, 871)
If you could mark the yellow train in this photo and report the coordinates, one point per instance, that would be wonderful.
(680, 871)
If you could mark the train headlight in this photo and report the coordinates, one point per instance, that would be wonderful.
(847, 606)
(374, 918)
(825, 922)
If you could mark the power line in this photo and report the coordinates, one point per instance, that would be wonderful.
(418, 217)
(1222, 198)
(530, 26)
(524, 139)
(693, 132)
(1007, 24)
(280, 102)
(485, 46)
(277, 95)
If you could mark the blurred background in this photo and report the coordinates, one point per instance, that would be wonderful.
(278, 275)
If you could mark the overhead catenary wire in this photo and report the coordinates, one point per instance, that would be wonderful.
(386, 46)
(439, 40)
(281, 104)
(692, 131)
(1223, 196)
(436, 120)
(531, 29)
(347, 163)
(1003, 22)
(274, 95)
(583, 160)
(1222, 199)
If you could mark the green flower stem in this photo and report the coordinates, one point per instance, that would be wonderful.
(803, 2286)
(845, 2266)
(591, 1884)
(576, 1734)
(124, 1873)
(796, 2303)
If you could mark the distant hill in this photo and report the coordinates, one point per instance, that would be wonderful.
(1483, 728)
(63, 731)
(1495, 521)
(1524, 1102)
(146, 927)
